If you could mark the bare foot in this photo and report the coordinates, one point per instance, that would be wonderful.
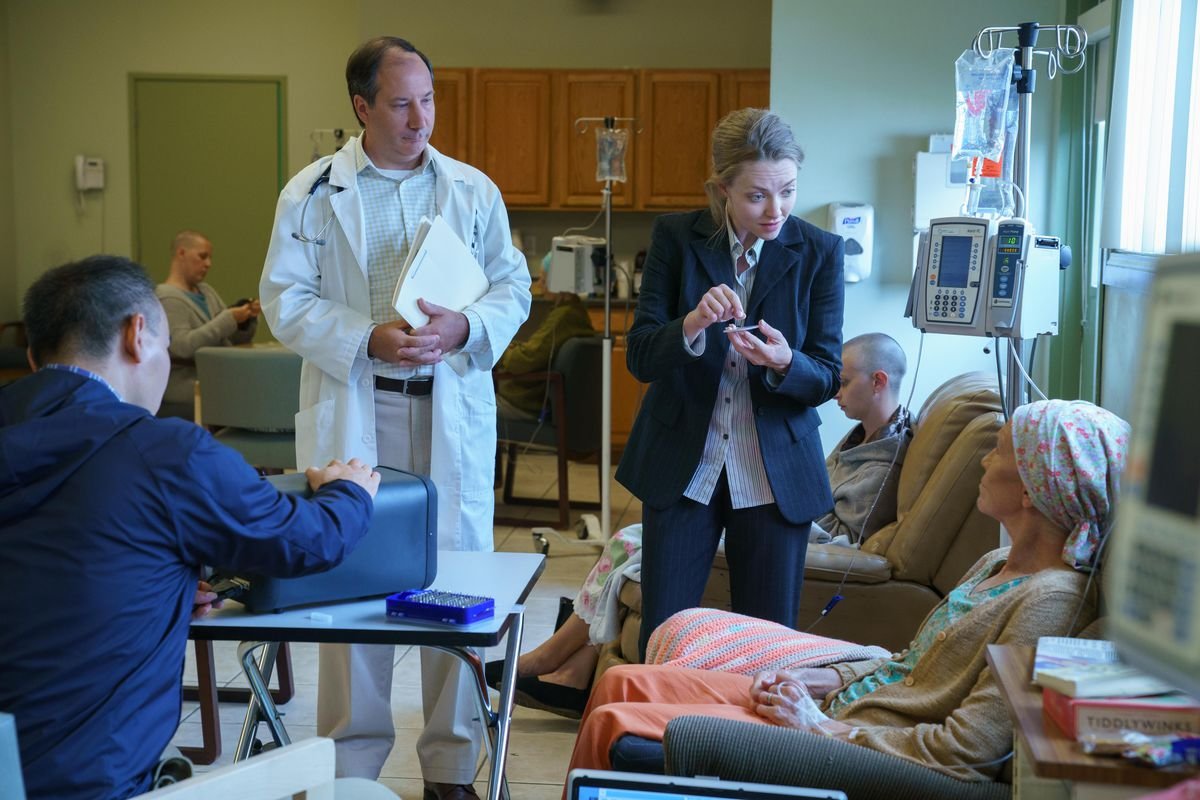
(577, 671)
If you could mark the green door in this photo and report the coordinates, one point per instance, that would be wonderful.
(208, 155)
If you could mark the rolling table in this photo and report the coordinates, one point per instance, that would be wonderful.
(506, 577)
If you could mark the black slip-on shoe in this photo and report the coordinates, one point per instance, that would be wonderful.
(449, 791)
(561, 700)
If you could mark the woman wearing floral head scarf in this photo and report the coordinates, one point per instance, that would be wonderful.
(1052, 481)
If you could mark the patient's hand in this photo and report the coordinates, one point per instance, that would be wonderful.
(204, 601)
(789, 705)
(354, 471)
(818, 682)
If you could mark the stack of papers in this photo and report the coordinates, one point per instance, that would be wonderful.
(439, 269)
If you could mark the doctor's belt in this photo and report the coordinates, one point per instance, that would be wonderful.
(420, 386)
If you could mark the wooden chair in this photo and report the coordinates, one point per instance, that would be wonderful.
(13, 361)
(571, 430)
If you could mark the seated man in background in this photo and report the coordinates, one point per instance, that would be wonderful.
(106, 515)
(567, 320)
(196, 317)
(864, 469)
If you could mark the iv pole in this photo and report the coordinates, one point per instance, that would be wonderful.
(1016, 389)
(605, 531)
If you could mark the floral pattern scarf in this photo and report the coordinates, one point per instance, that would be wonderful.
(1070, 455)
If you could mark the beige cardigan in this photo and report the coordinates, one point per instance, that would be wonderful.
(949, 711)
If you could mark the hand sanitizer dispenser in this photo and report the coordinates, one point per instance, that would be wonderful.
(855, 223)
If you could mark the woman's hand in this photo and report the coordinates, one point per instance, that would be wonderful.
(817, 681)
(719, 304)
(775, 353)
(789, 705)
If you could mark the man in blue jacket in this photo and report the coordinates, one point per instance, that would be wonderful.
(106, 514)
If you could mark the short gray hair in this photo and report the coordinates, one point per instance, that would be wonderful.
(746, 135)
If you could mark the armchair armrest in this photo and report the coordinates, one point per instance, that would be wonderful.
(743, 751)
(830, 562)
(525, 377)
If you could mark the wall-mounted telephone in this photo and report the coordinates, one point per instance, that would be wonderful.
(977, 277)
(89, 173)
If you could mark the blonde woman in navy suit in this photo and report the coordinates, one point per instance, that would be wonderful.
(726, 439)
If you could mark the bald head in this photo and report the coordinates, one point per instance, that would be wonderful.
(878, 352)
(191, 259)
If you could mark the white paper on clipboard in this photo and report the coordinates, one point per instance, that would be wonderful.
(440, 269)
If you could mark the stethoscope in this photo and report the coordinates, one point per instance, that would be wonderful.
(319, 239)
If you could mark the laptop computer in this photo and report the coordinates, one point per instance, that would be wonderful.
(585, 784)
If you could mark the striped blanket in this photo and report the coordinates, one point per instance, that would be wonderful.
(706, 638)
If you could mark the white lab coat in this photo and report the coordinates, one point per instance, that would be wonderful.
(317, 302)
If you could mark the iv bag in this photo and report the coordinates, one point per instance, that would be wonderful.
(981, 103)
(991, 192)
(610, 154)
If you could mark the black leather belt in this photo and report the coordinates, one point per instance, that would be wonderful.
(414, 387)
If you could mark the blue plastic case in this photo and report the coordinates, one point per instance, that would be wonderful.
(432, 605)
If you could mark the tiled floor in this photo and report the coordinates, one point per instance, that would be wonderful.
(541, 743)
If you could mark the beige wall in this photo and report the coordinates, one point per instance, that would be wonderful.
(579, 33)
(9, 301)
(69, 64)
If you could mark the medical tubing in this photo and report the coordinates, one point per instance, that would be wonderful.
(1091, 578)
(589, 226)
(1016, 355)
(1000, 382)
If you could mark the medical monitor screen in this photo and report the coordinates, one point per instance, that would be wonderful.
(956, 261)
(1174, 479)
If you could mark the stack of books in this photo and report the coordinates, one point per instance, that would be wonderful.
(1088, 693)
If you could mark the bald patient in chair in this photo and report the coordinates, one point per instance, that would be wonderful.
(196, 317)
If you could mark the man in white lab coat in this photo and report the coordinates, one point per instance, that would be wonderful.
(375, 388)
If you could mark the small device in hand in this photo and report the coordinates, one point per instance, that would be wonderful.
(249, 320)
(228, 587)
(436, 606)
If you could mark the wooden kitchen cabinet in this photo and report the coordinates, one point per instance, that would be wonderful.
(518, 126)
(745, 88)
(589, 93)
(510, 133)
(677, 112)
(451, 129)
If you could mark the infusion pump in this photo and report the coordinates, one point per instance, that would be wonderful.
(980, 277)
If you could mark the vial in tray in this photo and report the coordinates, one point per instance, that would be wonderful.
(437, 606)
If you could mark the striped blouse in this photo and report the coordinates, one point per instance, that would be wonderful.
(732, 441)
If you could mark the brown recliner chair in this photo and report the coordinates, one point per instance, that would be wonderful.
(906, 567)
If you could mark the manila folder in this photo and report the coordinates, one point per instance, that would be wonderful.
(440, 269)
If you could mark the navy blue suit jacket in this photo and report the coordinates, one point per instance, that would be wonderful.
(798, 290)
